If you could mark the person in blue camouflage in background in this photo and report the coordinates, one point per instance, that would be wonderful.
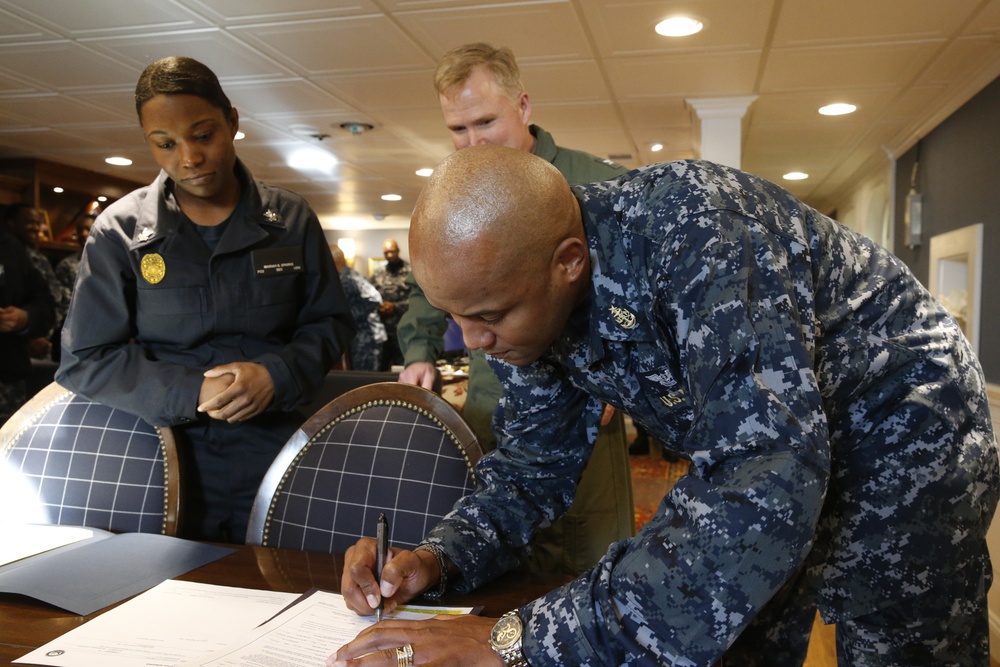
(364, 300)
(836, 419)
(390, 281)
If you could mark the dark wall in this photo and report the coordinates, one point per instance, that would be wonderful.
(959, 178)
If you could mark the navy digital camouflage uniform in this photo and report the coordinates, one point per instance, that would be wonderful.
(369, 334)
(836, 419)
(391, 283)
(602, 512)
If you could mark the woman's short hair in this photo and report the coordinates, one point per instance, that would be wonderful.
(178, 75)
(456, 66)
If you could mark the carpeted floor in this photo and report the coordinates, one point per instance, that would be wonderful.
(652, 477)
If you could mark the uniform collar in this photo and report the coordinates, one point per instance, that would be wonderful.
(160, 215)
(545, 145)
(614, 310)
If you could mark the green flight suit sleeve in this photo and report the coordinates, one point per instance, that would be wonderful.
(421, 329)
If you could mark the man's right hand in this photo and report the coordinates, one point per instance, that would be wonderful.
(406, 574)
(421, 373)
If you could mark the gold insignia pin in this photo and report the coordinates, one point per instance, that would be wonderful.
(153, 268)
(624, 318)
(271, 216)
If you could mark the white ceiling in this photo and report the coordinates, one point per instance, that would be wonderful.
(599, 78)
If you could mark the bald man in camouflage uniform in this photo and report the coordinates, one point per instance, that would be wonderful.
(836, 418)
(483, 100)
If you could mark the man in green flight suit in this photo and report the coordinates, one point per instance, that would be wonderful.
(484, 102)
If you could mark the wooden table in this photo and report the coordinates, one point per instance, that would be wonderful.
(26, 624)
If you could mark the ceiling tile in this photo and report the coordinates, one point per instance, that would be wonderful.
(94, 17)
(866, 21)
(534, 31)
(847, 68)
(357, 44)
(64, 65)
(684, 75)
(235, 11)
(623, 28)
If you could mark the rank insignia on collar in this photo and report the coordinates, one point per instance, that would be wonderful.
(146, 234)
(271, 216)
(624, 318)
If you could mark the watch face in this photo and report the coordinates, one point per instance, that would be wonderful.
(506, 632)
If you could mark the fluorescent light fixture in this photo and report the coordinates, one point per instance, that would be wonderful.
(679, 26)
(795, 176)
(656, 148)
(837, 109)
(312, 159)
(118, 161)
(392, 197)
(425, 172)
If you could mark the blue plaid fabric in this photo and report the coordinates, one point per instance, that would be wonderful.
(91, 465)
(384, 456)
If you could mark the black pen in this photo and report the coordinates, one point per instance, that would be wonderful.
(381, 549)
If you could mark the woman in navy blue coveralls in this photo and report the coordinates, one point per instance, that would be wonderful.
(206, 301)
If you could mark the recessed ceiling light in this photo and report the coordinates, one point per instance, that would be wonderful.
(795, 176)
(118, 161)
(239, 135)
(837, 109)
(391, 197)
(425, 172)
(102, 198)
(656, 148)
(679, 26)
(57, 190)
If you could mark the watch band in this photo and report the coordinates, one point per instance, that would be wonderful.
(505, 639)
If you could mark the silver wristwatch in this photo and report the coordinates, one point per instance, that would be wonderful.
(506, 640)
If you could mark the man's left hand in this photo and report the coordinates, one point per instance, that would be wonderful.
(445, 641)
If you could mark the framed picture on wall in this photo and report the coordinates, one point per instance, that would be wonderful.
(956, 276)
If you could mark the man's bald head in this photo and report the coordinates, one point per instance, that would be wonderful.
(508, 201)
(497, 240)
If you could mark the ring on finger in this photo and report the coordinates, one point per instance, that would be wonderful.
(404, 656)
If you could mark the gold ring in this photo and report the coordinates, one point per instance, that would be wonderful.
(404, 656)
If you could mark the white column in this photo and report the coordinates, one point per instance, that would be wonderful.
(720, 130)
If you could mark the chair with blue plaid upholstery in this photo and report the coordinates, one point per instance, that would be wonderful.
(80, 463)
(385, 447)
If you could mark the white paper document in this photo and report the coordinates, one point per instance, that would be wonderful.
(306, 633)
(172, 623)
(23, 540)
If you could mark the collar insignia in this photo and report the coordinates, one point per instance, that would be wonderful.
(624, 318)
(271, 216)
(146, 234)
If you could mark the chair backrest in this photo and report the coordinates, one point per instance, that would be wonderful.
(86, 464)
(339, 381)
(386, 447)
